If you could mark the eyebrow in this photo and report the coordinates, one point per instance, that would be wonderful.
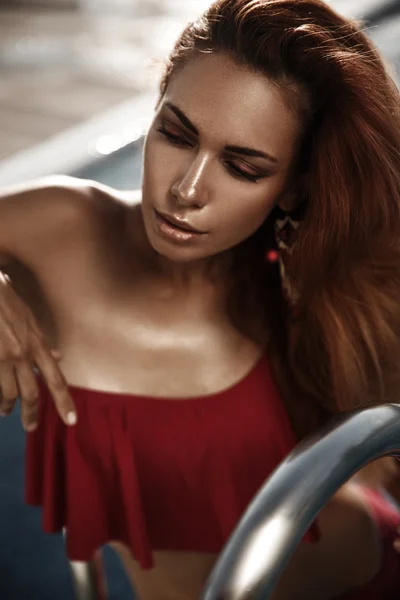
(235, 149)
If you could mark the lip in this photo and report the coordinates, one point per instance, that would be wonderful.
(174, 233)
(181, 223)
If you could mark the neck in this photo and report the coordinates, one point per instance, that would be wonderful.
(193, 275)
(214, 271)
(229, 281)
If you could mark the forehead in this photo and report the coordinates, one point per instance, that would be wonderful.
(228, 101)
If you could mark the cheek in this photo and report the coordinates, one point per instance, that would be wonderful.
(241, 220)
(150, 170)
(158, 164)
(247, 218)
(245, 214)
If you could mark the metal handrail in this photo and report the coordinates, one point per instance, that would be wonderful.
(85, 578)
(288, 503)
(291, 499)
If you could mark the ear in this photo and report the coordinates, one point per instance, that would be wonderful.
(293, 195)
(288, 202)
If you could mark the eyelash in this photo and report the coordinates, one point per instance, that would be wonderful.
(175, 139)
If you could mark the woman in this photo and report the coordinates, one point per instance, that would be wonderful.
(248, 293)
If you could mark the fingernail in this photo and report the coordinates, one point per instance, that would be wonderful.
(71, 418)
(30, 427)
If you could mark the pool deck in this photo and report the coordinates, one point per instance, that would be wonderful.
(64, 66)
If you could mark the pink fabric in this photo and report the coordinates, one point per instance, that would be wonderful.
(386, 584)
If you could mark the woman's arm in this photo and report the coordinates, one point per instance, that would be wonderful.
(23, 345)
(41, 216)
(38, 222)
(347, 556)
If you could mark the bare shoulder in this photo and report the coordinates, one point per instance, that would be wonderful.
(39, 215)
(74, 195)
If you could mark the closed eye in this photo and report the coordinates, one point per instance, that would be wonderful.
(174, 139)
(177, 140)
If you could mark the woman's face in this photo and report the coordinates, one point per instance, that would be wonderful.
(217, 158)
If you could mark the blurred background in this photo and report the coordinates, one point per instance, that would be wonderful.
(78, 82)
(78, 78)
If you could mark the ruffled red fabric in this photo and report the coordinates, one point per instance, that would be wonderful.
(156, 473)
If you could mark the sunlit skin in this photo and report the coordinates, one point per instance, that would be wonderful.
(193, 170)
(136, 312)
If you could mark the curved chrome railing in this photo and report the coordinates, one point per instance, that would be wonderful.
(86, 580)
(286, 506)
(283, 510)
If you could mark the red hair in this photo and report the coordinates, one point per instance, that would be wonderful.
(344, 352)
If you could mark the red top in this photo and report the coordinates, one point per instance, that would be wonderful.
(170, 474)
(156, 473)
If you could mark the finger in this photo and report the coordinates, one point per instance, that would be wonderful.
(56, 383)
(10, 306)
(29, 395)
(10, 346)
(56, 354)
(396, 545)
(9, 388)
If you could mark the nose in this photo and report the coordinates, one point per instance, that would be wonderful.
(190, 188)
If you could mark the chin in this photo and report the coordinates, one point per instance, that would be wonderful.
(176, 255)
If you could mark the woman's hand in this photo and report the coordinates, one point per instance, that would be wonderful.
(23, 347)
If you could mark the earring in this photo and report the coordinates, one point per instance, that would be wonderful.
(285, 228)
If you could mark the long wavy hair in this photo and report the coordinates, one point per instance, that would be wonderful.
(344, 350)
